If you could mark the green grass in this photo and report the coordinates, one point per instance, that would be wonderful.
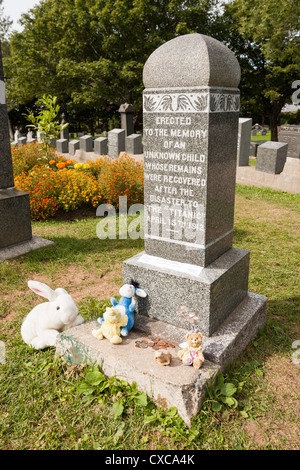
(46, 404)
(261, 137)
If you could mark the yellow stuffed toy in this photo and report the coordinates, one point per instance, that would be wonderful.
(111, 326)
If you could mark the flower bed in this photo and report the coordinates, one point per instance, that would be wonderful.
(65, 184)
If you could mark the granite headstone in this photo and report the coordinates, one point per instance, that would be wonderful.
(133, 144)
(100, 146)
(127, 111)
(15, 225)
(73, 146)
(290, 134)
(193, 276)
(62, 146)
(244, 138)
(116, 142)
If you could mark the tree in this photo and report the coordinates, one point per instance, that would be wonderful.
(5, 25)
(265, 37)
(91, 53)
(46, 123)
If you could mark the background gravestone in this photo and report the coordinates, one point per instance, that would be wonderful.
(15, 218)
(100, 146)
(127, 111)
(193, 276)
(116, 142)
(86, 143)
(290, 134)
(133, 144)
(73, 146)
(244, 138)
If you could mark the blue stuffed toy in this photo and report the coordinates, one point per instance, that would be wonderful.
(126, 305)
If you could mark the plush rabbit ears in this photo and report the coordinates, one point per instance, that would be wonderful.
(43, 290)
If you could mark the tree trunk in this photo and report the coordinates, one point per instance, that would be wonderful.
(273, 126)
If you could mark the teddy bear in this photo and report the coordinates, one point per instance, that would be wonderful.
(111, 326)
(192, 353)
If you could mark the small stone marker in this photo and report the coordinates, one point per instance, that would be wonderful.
(263, 131)
(73, 146)
(101, 146)
(116, 142)
(133, 144)
(86, 143)
(62, 146)
(244, 138)
(271, 157)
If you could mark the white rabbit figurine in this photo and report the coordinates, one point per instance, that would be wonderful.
(45, 321)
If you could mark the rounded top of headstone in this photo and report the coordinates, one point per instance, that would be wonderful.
(192, 60)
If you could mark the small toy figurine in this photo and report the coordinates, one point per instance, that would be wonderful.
(126, 305)
(45, 321)
(163, 357)
(192, 353)
(111, 326)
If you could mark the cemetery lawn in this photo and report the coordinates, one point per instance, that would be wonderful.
(42, 404)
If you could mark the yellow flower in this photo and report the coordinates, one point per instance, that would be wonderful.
(52, 162)
(78, 165)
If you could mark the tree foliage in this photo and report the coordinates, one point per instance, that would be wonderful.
(265, 37)
(5, 25)
(91, 53)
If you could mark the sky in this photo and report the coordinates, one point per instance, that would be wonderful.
(15, 8)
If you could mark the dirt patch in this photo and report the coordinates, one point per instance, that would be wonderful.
(280, 425)
(77, 281)
(81, 283)
(262, 210)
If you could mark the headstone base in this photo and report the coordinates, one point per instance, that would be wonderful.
(186, 295)
(23, 248)
(15, 217)
(175, 385)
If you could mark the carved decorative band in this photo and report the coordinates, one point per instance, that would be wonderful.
(191, 102)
